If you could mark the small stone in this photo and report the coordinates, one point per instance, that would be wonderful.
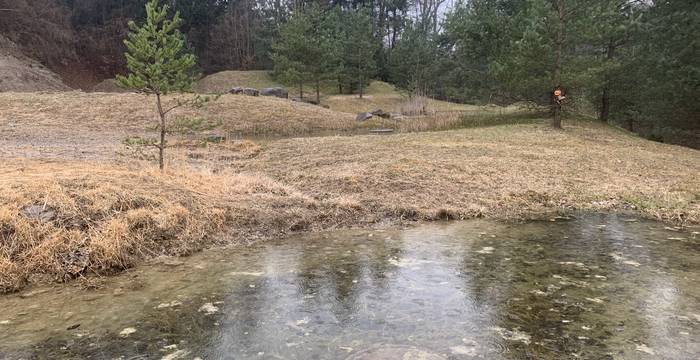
(127, 331)
(645, 349)
(39, 212)
(208, 309)
(486, 250)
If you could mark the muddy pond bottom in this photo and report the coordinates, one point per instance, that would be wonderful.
(594, 287)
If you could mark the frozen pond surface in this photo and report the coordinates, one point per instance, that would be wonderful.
(596, 287)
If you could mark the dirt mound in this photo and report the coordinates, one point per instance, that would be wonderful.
(21, 74)
(223, 81)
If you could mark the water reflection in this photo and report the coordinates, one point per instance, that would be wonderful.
(596, 287)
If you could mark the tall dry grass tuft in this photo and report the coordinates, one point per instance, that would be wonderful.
(415, 106)
(97, 219)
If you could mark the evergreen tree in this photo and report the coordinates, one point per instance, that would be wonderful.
(361, 48)
(291, 51)
(412, 61)
(305, 49)
(158, 63)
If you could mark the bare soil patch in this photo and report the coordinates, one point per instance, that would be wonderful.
(22, 74)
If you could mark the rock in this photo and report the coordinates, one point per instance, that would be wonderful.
(381, 113)
(179, 354)
(276, 92)
(39, 212)
(216, 138)
(208, 309)
(363, 116)
(244, 91)
(127, 331)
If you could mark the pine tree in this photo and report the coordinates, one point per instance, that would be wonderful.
(361, 49)
(159, 63)
(290, 51)
(305, 49)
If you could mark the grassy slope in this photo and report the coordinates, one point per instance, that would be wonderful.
(118, 113)
(378, 95)
(225, 80)
(110, 216)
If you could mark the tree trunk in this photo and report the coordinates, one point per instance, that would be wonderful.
(359, 72)
(559, 42)
(318, 91)
(604, 105)
(161, 144)
(301, 89)
(605, 98)
(362, 85)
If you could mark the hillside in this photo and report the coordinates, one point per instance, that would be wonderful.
(113, 211)
(223, 81)
(22, 74)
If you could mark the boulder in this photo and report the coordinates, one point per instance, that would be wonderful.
(381, 113)
(364, 116)
(245, 91)
(276, 92)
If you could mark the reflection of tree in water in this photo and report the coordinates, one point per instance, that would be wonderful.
(333, 273)
(536, 281)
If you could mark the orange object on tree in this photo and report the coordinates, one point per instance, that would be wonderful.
(557, 92)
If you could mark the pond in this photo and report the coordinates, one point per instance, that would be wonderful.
(591, 287)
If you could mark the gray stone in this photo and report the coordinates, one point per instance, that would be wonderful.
(216, 138)
(276, 92)
(244, 91)
(381, 113)
(39, 212)
(364, 116)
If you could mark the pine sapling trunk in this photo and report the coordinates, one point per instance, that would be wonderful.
(301, 90)
(559, 42)
(318, 91)
(161, 144)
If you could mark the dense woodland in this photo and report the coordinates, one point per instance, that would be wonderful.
(634, 63)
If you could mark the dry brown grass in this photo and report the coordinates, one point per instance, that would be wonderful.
(504, 171)
(102, 112)
(223, 81)
(109, 218)
(105, 219)
(114, 214)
